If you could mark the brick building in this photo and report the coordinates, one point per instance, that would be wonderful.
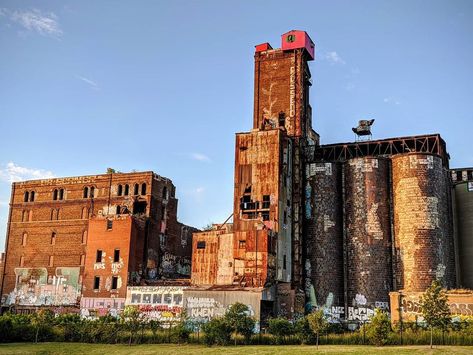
(57, 225)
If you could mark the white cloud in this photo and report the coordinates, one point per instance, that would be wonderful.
(334, 58)
(200, 157)
(391, 100)
(34, 20)
(13, 172)
(90, 82)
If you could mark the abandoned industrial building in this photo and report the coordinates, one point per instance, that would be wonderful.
(346, 227)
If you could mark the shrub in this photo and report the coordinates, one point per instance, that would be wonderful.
(379, 328)
(238, 319)
(217, 331)
(280, 328)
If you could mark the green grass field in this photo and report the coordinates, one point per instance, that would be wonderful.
(91, 349)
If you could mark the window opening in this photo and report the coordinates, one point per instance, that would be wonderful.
(96, 282)
(98, 258)
(201, 244)
(116, 256)
(135, 189)
(86, 192)
(27, 196)
(114, 282)
(143, 189)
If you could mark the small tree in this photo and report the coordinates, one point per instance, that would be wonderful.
(434, 308)
(379, 327)
(41, 319)
(280, 328)
(237, 317)
(132, 318)
(318, 323)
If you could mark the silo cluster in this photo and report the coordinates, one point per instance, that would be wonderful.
(377, 224)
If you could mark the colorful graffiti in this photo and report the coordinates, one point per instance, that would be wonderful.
(164, 303)
(34, 287)
(92, 308)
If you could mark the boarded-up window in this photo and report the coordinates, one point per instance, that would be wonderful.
(84, 237)
(82, 260)
(23, 239)
(22, 260)
(51, 260)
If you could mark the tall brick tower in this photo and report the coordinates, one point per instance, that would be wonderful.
(269, 169)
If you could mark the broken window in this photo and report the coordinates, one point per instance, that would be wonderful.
(167, 298)
(118, 210)
(285, 218)
(265, 215)
(32, 196)
(163, 213)
(96, 282)
(27, 196)
(120, 190)
(53, 238)
(201, 244)
(242, 244)
(55, 194)
(61, 194)
(469, 174)
(136, 187)
(282, 119)
(266, 201)
(114, 282)
(127, 190)
(139, 207)
(86, 192)
(459, 176)
(116, 256)
(98, 258)
(284, 262)
(109, 224)
(143, 188)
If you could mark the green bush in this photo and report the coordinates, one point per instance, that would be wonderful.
(217, 331)
(379, 328)
(281, 328)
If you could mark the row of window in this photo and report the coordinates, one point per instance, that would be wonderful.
(27, 215)
(51, 260)
(24, 239)
(99, 256)
(89, 192)
(124, 190)
(97, 283)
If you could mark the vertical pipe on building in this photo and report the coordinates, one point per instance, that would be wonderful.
(345, 249)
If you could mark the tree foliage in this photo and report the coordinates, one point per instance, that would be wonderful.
(281, 328)
(238, 318)
(217, 331)
(318, 323)
(378, 329)
(434, 308)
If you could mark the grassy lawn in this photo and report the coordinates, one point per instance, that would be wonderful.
(90, 349)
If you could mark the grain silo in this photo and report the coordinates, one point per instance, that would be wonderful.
(463, 190)
(368, 231)
(422, 222)
(324, 233)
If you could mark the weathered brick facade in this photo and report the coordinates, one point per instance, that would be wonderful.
(48, 232)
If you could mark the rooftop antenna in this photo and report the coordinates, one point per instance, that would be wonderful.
(363, 131)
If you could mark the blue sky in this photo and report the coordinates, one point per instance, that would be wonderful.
(164, 85)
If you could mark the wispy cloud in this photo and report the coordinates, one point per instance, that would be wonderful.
(34, 20)
(200, 157)
(88, 81)
(13, 172)
(391, 100)
(334, 58)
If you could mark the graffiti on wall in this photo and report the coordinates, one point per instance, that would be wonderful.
(205, 308)
(162, 303)
(34, 287)
(92, 308)
(172, 264)
(412, 307)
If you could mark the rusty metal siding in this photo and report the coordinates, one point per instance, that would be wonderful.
(422, 224)
(368, 231)
(324, 232)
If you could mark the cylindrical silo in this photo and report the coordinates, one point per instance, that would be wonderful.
(422, 222)
(324, 234)
(464, 214)
(368, 231)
